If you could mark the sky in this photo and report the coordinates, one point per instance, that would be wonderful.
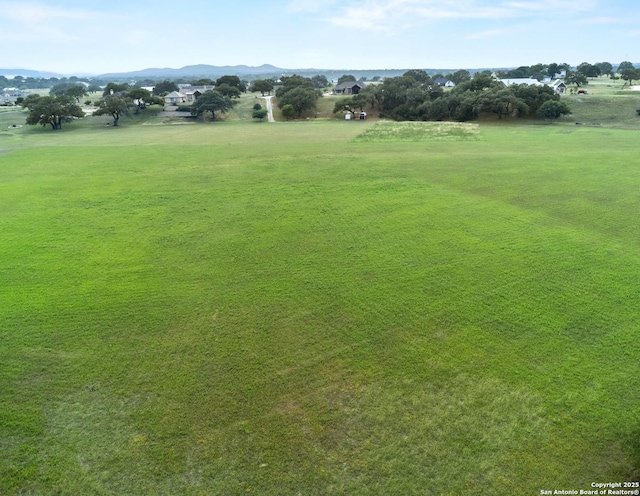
(78, 37)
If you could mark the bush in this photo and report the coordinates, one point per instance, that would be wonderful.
(288, 112)
(257, 106)
(260, 113)
(184, 108)
(553, 109)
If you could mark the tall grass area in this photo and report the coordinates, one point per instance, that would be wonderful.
(274, 309)
(615, 110)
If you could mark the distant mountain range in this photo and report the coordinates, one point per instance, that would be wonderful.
(200, 70)
(211, 71)
(214, 72)
(29, 73)
(243, 71)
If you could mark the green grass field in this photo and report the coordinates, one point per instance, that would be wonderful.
(318, 308)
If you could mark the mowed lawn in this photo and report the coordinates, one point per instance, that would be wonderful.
(284, 309)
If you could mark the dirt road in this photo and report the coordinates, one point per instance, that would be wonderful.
(269, 108)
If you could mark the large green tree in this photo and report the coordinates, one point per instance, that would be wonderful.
(395, 93)
(233, 81)
(553, 69)
(605, 68)
(479, 82)
(290, 82)
(625, 65)
(73, 90)
(345, 78)
(534, 96)
(141, 98)
(552, 109)
(204, 82)
(589, 70)
(460, 76)
(211, 102)
(299, 92)
(77, 91)
(502, 102)
(575, 77)
(301, 98)
(264, 86)
(114, 105)
(630, 74)
(419, 76)
(164, 87)
(320, 81)
(227, 90)
(51, 110)
(115, 88)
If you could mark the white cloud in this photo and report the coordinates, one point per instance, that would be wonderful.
(610, 21)
(32, 21)
(35, 13)
(492, 33)
(310, 5)
(389, 15)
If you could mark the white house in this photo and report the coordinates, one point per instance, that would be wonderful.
(444, 82)
(175, 98)
(9, 96)
(558, 86)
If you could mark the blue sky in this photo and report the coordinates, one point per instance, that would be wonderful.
(72, 36)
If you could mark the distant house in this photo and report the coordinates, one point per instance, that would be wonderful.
(349, 88)
(192, 93)
(444, 82)
(175, 98)
(9, 96)
(527, 81)
(185, 88)
(7, 99)
(558, 86)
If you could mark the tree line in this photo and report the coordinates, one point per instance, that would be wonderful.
(412, 96)
(63, 103)
(415, 96)
(118, 99)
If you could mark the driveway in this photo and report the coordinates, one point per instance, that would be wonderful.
(269, 108)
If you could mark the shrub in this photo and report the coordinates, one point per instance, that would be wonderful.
(288, 112)
(260, 113)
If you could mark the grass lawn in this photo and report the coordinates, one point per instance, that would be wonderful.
(318, 308)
